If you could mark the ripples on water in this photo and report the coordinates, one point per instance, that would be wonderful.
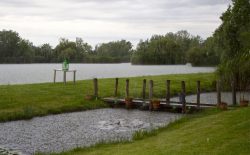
(61, 132)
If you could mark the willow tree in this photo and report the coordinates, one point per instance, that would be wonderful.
(233, 36)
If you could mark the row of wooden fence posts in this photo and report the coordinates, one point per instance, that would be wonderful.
(151, 88)
(182, 94)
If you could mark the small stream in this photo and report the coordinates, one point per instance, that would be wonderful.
(211, 97)
(63, 132)
(57, 133)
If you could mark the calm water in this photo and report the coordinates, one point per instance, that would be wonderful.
(39, 73)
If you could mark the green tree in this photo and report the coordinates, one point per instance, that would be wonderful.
(14, 49)
(26, 51)
(195, 55)
(234, 36)
(73, 51)
(165, 49)
(115, 51)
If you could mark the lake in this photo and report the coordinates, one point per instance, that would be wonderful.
(41, 73)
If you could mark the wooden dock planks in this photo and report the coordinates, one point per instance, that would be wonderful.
(112, 100)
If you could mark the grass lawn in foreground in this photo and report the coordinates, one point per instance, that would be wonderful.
(29, 100)
(211, 132)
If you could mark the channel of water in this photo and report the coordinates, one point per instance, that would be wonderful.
(57, 133)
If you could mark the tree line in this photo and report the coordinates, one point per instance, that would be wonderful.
(14, 49)
(175, 48)
(172, 48)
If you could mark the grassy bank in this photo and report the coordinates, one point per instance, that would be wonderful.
(210, 132)
(27, 101)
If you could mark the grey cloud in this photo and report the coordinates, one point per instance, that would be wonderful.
(111, 9)
(209, 2)
(18, 3)
(134, 13)
(140, 13)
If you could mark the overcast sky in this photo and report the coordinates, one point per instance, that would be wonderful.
(97, 21)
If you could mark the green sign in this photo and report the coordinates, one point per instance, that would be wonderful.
(65, 65)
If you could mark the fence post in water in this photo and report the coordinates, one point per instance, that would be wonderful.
(151, 85)
(168, 92)
(218, 92)
(144, 89)
(183, 96)
(95, 87)
(127, 88)
(116, 86)
(233, 92)
(198, 93)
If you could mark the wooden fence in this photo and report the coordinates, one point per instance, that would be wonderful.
(182, 103)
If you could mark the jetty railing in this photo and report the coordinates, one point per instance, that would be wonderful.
(165, 99)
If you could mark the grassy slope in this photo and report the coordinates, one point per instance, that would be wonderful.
(27, 101)
(211, 132)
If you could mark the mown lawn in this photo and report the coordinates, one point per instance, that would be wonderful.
(27, 101)
(211, 132)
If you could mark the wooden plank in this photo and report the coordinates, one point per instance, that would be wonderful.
(190, 103)
(172, 103)
(163, 101)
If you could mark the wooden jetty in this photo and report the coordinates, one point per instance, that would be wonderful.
(170, 104)
(165, 103)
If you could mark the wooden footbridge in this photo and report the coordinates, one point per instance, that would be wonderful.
(164, 106)
(165, 103)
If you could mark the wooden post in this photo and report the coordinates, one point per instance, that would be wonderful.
(64, 77)
(168, 92)
(218, 92)
(95, 87)
(151, 86)
(74, 76)
(233, 92)
(127, 88)
(198, 93)
(144, 89)
(54, 76)
(116, 86)
(183, 96)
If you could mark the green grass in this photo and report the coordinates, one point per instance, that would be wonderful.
(211, 132)
(27, 101)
